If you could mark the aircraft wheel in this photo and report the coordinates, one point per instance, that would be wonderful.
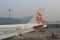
(21, 35)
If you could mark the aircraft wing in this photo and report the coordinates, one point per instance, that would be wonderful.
(4, 35)
(25, 31)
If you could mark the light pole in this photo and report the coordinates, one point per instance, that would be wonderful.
(9, 15)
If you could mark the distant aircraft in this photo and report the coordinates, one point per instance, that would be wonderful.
(35, 24)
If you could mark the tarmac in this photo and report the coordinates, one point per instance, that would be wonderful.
(47, 35)
(29, 36)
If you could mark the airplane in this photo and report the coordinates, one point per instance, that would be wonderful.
(35, 24)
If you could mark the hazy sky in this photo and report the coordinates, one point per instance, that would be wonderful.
(22, 8)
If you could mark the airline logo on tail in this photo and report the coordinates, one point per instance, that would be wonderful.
(39, 17)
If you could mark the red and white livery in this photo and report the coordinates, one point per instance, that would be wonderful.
(35, 24)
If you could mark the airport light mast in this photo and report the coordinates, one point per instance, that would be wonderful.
(9, 15)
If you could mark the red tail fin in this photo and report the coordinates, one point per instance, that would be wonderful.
(38, 17)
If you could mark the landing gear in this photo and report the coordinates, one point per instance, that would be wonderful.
(21, 34)
(43, 30)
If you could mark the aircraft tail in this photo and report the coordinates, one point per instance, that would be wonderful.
(37, 18)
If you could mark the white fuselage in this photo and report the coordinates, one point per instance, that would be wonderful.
(35, 21)
(15, 27)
